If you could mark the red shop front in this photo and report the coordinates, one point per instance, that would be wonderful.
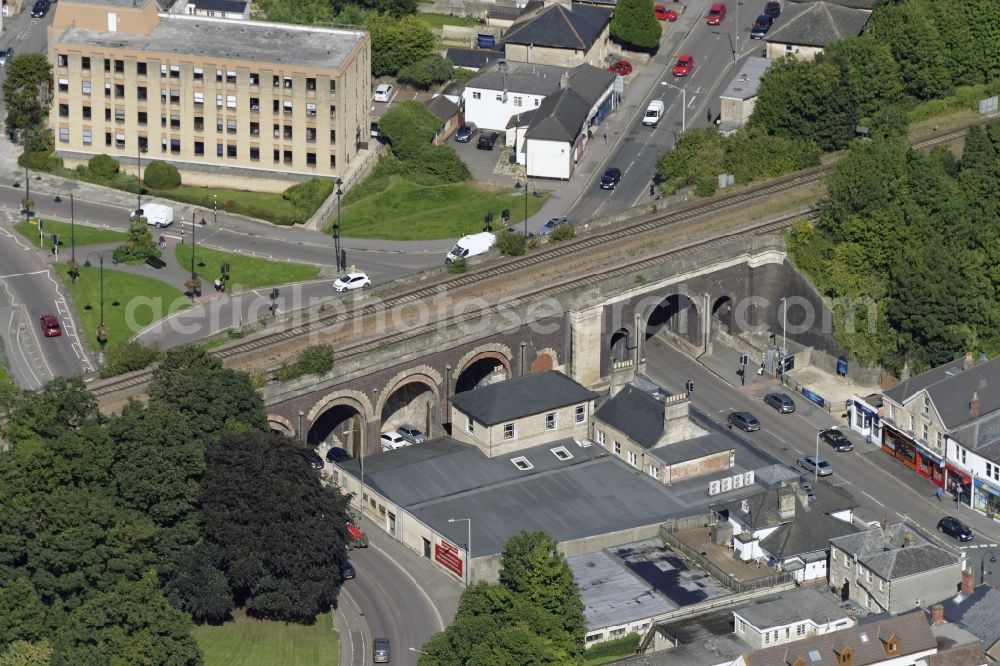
(903, 448)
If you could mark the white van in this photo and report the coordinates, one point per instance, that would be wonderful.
(470, 246)
(157, 215)
(653, 113)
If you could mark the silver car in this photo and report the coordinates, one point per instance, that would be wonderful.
(817, 465)
(411, 434)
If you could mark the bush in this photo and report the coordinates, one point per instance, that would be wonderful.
(563, 232)
(458, 267)
(443, 164)
(315, 360)
(161, 176)
(129, 357)
(102, 167)
(39, 161)
(140, 245)
(310, 195)
(617, 647)
(511, 244)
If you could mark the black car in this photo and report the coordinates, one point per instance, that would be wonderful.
(337, 454)
(955, 528)
(487, 140)
(745, 421)
(347, 570)
(611, 178)
(380, 651)
(781, 402)
(836, 439)
(465, 132)
(40, 9)
(761, 26)
(6, 54)
(314, 460)
(773, 9)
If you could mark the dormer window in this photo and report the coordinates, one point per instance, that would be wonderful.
(561, 452)
(891, 645)
(522, 463)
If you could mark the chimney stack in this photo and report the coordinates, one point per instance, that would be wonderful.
(937, 614)
(786, 503)
(974, 405)
(564, 81)
(968, 581)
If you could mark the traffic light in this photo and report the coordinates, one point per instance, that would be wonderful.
(689, 385)
(505, 214)
(55, 240)
(744, 359)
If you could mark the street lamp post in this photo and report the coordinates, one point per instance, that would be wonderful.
(215, 212)
(102, 331)
(816, 470)
(468, 549)
(336, 227)
(684, 104)
(784, 323)
(139, 150)
(194, 223)
(982, 565)
(74, 273)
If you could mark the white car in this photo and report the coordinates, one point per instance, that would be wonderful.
(392, 440)
(384, 92)
(349, 281)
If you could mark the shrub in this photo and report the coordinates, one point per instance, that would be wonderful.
(309, 195)
(563, 232)
(511, 244)
(102, 167)
(140, 245)
(443, 163)
(129, 357)
(617, 647)
(316, 360)
(161, 176)
(37, 161)
(458, 267)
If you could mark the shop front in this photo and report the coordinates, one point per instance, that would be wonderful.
(986, 498)
(864, 418)
(924, 462)
(958, 481)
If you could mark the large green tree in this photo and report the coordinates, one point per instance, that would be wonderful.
(27, 91)
(397, 42)
(916, 46)
(634, 25)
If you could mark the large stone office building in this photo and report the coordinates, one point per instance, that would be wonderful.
(227, 99)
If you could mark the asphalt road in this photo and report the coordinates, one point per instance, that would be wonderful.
(637, 152)
(881, 486)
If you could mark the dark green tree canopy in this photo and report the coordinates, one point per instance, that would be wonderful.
(409, 128)
(397, 42)
(635, 25)
(27, 91)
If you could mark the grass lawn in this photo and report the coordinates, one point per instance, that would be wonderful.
(440, 20)
(244, 272)
(248, 642)
(260, 205)
(84, 235)
(131, 302)
(401, 210)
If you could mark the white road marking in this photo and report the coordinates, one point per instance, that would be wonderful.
(14, 275)
(873, 499)
(427, 597)
(772, 434)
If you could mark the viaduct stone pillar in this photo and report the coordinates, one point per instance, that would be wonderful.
(706, 324)
(585, 345)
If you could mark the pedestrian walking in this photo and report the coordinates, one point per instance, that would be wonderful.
(708, 115)
(218, 284)
(939, 493)
(343, 257)
(652, 189)
(605, 138)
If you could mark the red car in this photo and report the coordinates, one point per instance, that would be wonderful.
(684, 65)
(716, 14)
(621, 68)
(50, 326)
(664, 14)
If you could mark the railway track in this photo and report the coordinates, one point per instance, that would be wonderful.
(662, 221)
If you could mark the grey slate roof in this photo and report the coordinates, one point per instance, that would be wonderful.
(442, 107)
(562, 115)
(818, 23)
(763, 505)
(803, 603)
(914, 635)
(472, 58)
(895, 553)
(979, 613)
(635, 413)
(520, 78)
(951, 386)
(178, 36)
(611, 594)
(745, 84)
(801, 537)
(557, 26)
(691, 449)
(503, 13)
(524, 396)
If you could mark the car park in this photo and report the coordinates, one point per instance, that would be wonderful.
(392, 440)
(761, 26)
(955, 528)
(664, 14)
(380, 651)
(837, 440)
(465, 133)
(337, 454)
(552, 224)
(745, 421)
(781, 402)
(773, 9)
(347, 570)
(383, 92)
(50, 326)
(817, 465)
(717, 14)
(40, 9)
(621, 68)
(611, 178)
(349, 281)
(487, 140)
(6, 54)
(684, 65)
(411, 434)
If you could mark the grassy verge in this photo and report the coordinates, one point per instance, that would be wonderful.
(248, 642)
(244, 272)
(131, 302)
(441, 20)
(396, 209)
(260, 205)
(84, 235)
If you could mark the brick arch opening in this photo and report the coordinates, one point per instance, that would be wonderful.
(620, 346)
(338, 420)
(544, 361)
(481, 369)
(412, 398)
(280, 425)
(722, 314)
(677, 314)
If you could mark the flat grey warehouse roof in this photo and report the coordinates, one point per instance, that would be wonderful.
(253, 41)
